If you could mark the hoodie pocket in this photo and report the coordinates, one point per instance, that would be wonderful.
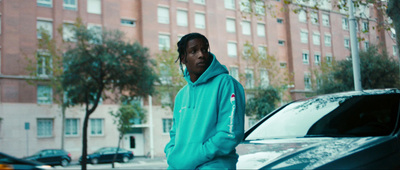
(187, 156)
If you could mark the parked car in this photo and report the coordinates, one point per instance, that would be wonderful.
(106, 154)
(349, 130)
(11, 162)
(51, 157)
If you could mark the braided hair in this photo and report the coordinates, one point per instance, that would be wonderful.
(182, 45)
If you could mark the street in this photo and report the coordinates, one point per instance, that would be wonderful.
(136, 163)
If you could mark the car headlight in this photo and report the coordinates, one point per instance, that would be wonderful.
(44, 167)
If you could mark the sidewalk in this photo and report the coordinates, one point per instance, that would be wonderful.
(136, 163)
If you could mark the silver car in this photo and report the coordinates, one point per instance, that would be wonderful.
(350, 130)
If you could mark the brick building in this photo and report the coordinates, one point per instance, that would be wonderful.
(299, 42)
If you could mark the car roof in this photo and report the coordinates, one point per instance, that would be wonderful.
(356, 93)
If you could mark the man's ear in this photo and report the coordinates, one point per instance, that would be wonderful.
(183, 59)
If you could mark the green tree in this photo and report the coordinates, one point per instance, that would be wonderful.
(263, 102)
(378, 70)
(269, 89)
(124, 118)
(171, 76)
(100, 62)
(46, 68)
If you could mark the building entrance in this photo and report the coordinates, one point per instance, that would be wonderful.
(135, 143)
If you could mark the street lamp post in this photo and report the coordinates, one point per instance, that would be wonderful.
(354, 48)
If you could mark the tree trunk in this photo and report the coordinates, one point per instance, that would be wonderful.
(84, 141)
(116, 153)
(63, 108)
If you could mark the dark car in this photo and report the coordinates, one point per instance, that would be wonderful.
(51, 157)
(11, 162)
(106, 154)
(350, 130)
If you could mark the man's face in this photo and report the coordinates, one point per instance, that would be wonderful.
(197, 58)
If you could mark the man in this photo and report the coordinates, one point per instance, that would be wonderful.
(208, 120)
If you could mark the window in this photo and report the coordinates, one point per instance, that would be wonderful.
(317, 59)
(230, 4)
(163, 15)
(44, 64)
(128, 22)
(44, 27)
(165, 75)
(44, 94)
(94, 6)
(96, 127)
(247, 49)
(283, 64)
(97, 31)
(302, 16)
(262, 52)
(234, 72)
(200, 20)
(366, 45)
(392, 33)
(246, 28)
(325, 20)
(260, 7)
(45, 3)
(68, 32)
(165, 98)
(279, 20)
(261, 30)
(365, 26)
(329, 59)
(232, 49)
(395, 50)
(230, 25)
(163, 42)
(71, 127)
(200, 1)
(305, 58)
(264, 79)
(281, 42)
(44, 127)
(307, 81)
(167, 125)
(182, 18)
(304, 36)
(346, 42)
(345, 23)
(325, 4)
(327, 40)
(316, 38)
(70, 4)
(245, 6)
(249, 78)
(314, 17)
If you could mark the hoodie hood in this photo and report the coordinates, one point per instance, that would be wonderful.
(215, 69)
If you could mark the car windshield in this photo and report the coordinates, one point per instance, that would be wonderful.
(343, 116)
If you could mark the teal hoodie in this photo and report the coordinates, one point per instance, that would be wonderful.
(208, 121)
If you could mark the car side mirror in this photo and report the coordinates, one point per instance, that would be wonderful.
(40, 155)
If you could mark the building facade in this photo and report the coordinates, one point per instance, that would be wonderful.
(30, 120)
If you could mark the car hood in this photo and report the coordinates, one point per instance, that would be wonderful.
(300, 153)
